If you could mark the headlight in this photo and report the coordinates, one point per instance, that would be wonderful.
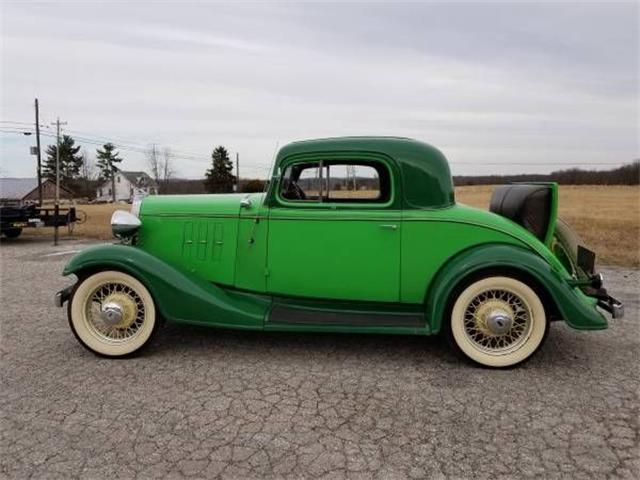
(124, 224)
(135, 207)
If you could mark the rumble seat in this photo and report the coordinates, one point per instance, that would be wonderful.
(528, 205)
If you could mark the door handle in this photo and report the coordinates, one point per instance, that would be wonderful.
(389, 226)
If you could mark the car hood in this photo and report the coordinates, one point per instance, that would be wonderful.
(185, 205)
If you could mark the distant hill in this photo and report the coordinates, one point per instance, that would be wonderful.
(626, 175)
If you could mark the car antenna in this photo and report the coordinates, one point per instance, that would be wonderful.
(267, 185)
(269, 181)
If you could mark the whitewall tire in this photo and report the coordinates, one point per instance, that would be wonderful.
(498, 322)
(112, 314)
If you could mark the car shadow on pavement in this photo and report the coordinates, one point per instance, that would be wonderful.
(563, 347)
(198, 340)
(181, 340)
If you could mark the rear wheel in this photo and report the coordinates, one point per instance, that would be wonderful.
(498, 322)
(12, 232)
(112, 314)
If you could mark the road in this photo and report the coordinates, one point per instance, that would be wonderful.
(203, 403)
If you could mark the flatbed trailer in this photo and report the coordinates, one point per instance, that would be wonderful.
(13, 219)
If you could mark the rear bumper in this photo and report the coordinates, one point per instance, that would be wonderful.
(613, 306)
(604, 300)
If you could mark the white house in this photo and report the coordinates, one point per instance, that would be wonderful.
(129, 185)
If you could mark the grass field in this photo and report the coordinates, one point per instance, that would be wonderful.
(607, 218)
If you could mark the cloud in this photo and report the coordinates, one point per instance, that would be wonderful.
(492, 84)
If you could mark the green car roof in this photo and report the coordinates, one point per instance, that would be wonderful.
(424, 170)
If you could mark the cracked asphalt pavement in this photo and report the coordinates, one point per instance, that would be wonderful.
(205, 403)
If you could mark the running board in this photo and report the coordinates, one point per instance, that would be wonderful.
(290, 315)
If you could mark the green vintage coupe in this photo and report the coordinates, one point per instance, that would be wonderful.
(352, 235)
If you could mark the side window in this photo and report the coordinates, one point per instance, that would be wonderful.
(353, 182)
(336, 182)
(301, 182)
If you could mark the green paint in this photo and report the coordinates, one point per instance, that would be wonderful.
(577, 309)
(180, 296)
(209, 261)
(420, 169)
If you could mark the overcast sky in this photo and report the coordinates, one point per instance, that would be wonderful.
(499, 87)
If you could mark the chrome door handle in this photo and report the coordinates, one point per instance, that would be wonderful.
(245, 202)
(389, 226)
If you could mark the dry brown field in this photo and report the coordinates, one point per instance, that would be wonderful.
(606, 217)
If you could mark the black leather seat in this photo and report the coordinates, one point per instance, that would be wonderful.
(528, 205)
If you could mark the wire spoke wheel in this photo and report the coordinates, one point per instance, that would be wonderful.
(485, 312)
(498, 321)
(112, 313)
(119, 296)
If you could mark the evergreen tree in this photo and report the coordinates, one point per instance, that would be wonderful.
(107, 160)
(219, 178)
(70, 161)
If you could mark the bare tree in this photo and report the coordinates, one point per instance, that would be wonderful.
(153, 163)
(160, 165)
(88, 173)
(88, 167)
(167, 165)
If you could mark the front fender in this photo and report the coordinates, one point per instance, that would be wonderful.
(576, 308)
(179, 296)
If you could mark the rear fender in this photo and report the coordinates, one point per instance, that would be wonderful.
(575, 307)
(179, 297)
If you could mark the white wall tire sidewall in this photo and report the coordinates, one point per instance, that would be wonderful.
(526, 349)
(85, 333)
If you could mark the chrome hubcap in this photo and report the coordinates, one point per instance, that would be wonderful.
(115, 312)
(111, 313)
(497, 321)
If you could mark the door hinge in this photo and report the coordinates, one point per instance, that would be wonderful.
(266, 272)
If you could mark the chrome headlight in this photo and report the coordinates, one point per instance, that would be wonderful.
(124, 224)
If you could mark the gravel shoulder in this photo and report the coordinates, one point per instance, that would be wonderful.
(206, 403)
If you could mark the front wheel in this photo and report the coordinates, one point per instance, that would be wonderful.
(112, 314)
(498, 322)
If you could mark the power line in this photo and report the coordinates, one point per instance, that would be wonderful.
(138, 147)
(122, 144)
(98, 142)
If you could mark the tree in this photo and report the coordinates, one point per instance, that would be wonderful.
(253, 186)
(85, 183)
(160, 166)
(153, 163)
(219, 178)
(167, 165)
(88, 167)
(107, 160)
(70, 161)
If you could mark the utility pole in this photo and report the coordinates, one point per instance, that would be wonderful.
(56, 208)
(351, 176)
(113, 180)
(237, 172)
(38, 154)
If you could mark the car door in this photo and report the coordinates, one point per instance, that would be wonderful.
(332, 232)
